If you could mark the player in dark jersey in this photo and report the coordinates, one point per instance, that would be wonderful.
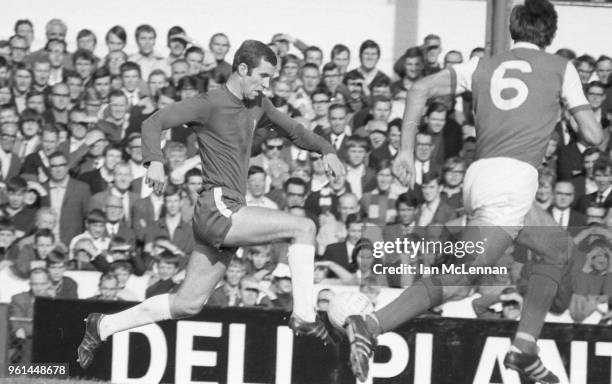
(226, 119)
(517, 99)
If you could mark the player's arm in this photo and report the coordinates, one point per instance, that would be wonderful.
(301, 137)
(573, 95)
(194, 109)
(445, 82)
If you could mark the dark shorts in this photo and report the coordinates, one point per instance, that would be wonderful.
(212, 218)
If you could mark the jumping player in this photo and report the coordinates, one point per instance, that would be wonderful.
(517, 98)
(222, 222)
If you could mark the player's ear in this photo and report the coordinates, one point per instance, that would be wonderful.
(243, 69)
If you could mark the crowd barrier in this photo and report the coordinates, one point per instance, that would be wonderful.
(238, 346)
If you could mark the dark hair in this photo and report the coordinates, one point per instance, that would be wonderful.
(144, 28)
(408, 198)
(566, 53)
(413, 52)
(333, 107)
(6, 224)
(476, 51)
(369, 44)
(55, 41)
(85, 33)
(436, 107)
(84, 55)
(129, 66)
(585, 59)
(431, 176)
(295, 181)
(195, 171)
(251, 52)
(100, 73)
(187, 82)
(171, 190)
(176, 30)
(255, 169)
(193, 49)
(352, 75)
(534, 22)
(44, 232)
(339, 48)
(16, 184)
(21, 22)
(331, 66)
(56, 257)
(311, 66)
(321, 91)
(118, 31)
(603, 164)
(169, 258)
(595, 84)
(96, 216)
(354, 218)
(383, 164)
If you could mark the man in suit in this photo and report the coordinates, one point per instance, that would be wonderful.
(116, 224)
(67, 196)
(21, 309)
(10, 164)
(145, 213)
(122, 181)
(570, 160)
(360, 177)
(423, 162)
(341, 252)
(37, 163)
(388, 150)
(172, 225)
(101, 179)
(584, 183)
(433, 209)
(340, 132)
(602, 173)
(561, 209)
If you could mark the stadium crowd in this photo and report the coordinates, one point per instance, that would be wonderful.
(73, 195)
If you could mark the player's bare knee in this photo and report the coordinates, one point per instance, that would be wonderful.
(306, 230)
(186, 306)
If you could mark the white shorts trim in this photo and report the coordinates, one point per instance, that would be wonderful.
(221, 207)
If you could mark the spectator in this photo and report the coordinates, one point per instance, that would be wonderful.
(446, 133)
(359, 176)
(602, 174)
(194, 181)
(95, 231)
(7, 238)
(591, 285)
(228, 294)
(423, 151)
(378, 205)
(319, 177)
(67, 196)
(453, 173)
(122, 270)
(433, 209)
(16, 210)
(341, 253)
(511, 305)
(21, 310)
(101, 179)
(561, 209)
(340, 130)
(146, 58)
(61, 287)
(341, 56)
(585, 65)
(583, 181)
(256, 186)
(321, 98)
(34, 255)
(410, 68)
(30, 124)
(122, 181)
(389, 149)
(60, 104)
(108, 287)
(172, 225)
(544, 194)
(259, 261)
(219, 46)
(250, 294)
(323, 299)
(369, 54)
(167, 266)
(36, 164)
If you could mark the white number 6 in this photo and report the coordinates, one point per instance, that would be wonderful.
(499, 83)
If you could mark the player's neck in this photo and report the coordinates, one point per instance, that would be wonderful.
(233, 85)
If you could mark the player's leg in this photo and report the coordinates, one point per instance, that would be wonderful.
(203, 272)
(256, 225)
(553, 245)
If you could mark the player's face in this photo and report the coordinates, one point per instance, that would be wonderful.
(564, 195)
(435, 121)
(258, 81)
(406, 213)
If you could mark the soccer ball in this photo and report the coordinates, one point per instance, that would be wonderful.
(345, 304)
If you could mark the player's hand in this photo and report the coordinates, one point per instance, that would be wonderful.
(333, 166)
(156, 177)
(403, 168)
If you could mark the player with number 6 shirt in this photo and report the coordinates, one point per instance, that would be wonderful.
(518, 96)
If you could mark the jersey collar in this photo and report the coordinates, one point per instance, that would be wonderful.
(524, 44)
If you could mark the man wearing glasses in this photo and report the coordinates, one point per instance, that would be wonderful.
(60, 101)
(19, 48)
(9, 162)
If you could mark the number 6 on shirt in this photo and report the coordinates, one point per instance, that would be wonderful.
(499, 83)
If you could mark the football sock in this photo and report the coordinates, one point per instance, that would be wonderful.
(156, 308)
(540, 294)
(301, 263)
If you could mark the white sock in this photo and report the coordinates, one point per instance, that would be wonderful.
(301, 263)
(153, 309)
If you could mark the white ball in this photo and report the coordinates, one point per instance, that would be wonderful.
(345, 304)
